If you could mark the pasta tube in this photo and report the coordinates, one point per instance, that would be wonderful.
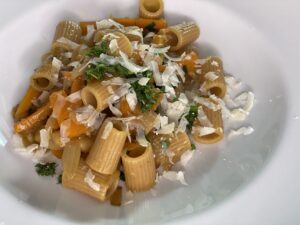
(181, 35)
(106, 151)
(96, 94)
(142, 22)
(139, 169)
(202, 133)
(122, 44)
(151, 9)
(212, 77)
(70, 159)
(94, 184)
(69, 30)
(168, 149)
(44, 78)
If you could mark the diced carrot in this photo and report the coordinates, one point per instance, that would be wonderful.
(161, 68)
(77, 84)
(142, 22)
(26, 102)
(85, 24)
(189, 63)
(125, 109)
(72, 129)
(32, 120)
(57, 153)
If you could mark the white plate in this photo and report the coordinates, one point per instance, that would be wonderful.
(258, 43)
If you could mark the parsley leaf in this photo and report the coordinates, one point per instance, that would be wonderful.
(151, 27)
(164, 144)
(192, 115)
(98, 70)
(97, 50)
(193, 146)
(59, 179)
(122, 176)
(185, 69)
(47, 169)
(146, 95)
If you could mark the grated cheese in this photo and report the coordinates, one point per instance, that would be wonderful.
(107, 130)
(131, 99)
(45, 137)
(241, 131)
(186, 157)
(143, 81)
(211, 76)
(89, 179)
(74, 97)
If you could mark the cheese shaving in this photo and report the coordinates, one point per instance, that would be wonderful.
(174, 176)
(211, 76)
(57, 64)
(167, 129)
(143, 81)
(131, 99)
(68, 42)
(45, 137)
(241, 131)
(186, 157)
(89, 179)
(107, 130)
(74, 97)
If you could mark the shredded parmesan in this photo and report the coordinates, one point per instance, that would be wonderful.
(211, 76)
(186, 157)
(167, 129)
(174, 176)
(45, 137)
(89, 179)
(57, 64)
(143, 81)
(74, 97)
(107, 130)
(241, 131)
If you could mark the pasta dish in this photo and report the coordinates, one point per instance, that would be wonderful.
(118, 102)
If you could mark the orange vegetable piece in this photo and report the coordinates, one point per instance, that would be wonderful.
(189, 63)
(26, 102)
(84, 26)
(72, 129)
(30, 121)
(57, 153)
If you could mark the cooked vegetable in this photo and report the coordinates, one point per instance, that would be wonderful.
(97, 50)
(147, 95)
(32, 120)
(47, 169)
(192, 115)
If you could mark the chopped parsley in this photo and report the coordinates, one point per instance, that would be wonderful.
(151, 27)
(175, 99)
(185, 69)
(122, 176)
(98, 70)
(97, 50)
(146, 95)
(47, 169)
(192, 115)
(193, 146)
(164, 144)
(59, 179)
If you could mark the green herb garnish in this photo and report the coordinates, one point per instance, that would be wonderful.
(122, 176)
(59, 179)
(146, 95)
(185, 69)
(192, 115)
(98, 70)
(47, 169)
(193, 146)
(164, 144)
(97, 50)
(175, 99)
(151, 27)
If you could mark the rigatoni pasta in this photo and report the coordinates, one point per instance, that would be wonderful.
(139, 168)
(106, 151)
(89, 182)
(120, 101)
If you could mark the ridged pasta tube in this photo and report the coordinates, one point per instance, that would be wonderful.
(181, 35)
(212, 77)
(96, 94)
(44, 78)
(151, 9)
(139, 169)
(122, 44)
(168, 149)
(104, 185)
(209, 134)
(69, 30)
(70, 159)
(106, 151)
